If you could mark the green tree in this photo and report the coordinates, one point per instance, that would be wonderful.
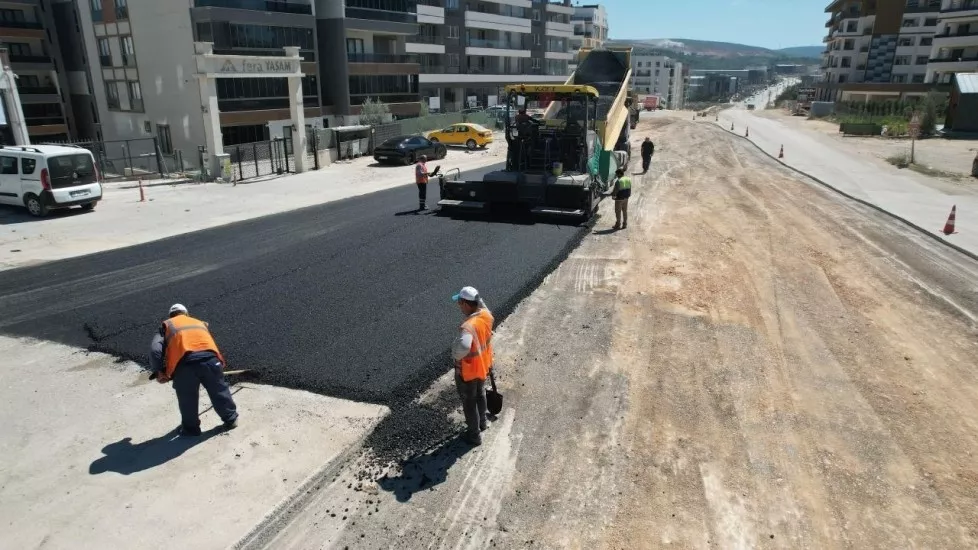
(931, 107)
(425, 111)
(374, 113)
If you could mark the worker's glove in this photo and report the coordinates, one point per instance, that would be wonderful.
(162, 378)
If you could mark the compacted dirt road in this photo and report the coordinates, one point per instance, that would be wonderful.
(754, 362)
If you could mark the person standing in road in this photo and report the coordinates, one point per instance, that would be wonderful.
(184, 351)
(473, 356)
(648, 149)
(421, 178)
(621, 194)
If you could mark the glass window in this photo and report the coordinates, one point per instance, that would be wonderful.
(27, 166)
(8, 165)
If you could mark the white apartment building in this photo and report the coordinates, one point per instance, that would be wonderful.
(469, 50)
(955, 47)
(658, 75)
(590, 25)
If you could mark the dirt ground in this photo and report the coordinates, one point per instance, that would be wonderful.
(953, 157)
(752, 363)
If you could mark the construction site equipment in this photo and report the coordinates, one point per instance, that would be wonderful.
(781, 152)
(949, 225)
(494, 399)
(562, 163)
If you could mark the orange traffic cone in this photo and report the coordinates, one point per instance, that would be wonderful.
(142, 194)
(949, 226)
(781, 152)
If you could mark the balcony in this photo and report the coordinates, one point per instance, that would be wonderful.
(257, 5)
(956, 39)
(383, 64)
(37, 90)
(960, 9)
(924, 6)
(957, 64)
(495, 48)
(41, 61)
(380, 58)
(382, 21)
(4, 24)
(559, 7)
(553, 28)
(425, 44)
(493, 22)
(432, 15)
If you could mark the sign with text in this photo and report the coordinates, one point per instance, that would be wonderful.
(240, 66)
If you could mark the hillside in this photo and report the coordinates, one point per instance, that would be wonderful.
(705, 54)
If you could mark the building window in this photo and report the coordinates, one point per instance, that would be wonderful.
(135, 96)
(846, 62)
(930, 22)
(917, 79)
(905, 41)
(451, 4)
(910, 22)
(922, 59)
(842, 79)
(849, 44)
(164, 140)
(898, 79)
(453, 59)
(901, 60)
(536, 15)
(852, 26)
(112, 95)
(354, 46)
(128, 52)
(121, 9)
(96, 6)
(104, 52)
(926, 41)
(452, 31)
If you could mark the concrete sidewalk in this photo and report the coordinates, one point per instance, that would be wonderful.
(898, 192)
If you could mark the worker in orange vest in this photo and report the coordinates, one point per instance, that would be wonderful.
(473, 360)
(184, 351)
(421, 178)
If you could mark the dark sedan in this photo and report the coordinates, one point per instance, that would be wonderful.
(408, 149)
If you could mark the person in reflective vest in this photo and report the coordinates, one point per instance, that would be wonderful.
(184, 351)
(622, 192)
(473, 357)
(421, 178)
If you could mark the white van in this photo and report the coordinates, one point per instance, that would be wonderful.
(44, 177)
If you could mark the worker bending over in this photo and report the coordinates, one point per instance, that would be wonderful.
(621, 194)
(648, 149)
(184, 350)
(473, 359)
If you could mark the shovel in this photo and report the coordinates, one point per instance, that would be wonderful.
(494, 399)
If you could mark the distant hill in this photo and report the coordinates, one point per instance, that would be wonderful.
(810, 52)
(705, 54)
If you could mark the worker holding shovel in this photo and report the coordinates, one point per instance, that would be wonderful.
(184, 351)
(473, 360)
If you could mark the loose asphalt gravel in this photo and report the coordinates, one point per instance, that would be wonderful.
(349, 299)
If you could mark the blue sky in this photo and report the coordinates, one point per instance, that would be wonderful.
(767, 23)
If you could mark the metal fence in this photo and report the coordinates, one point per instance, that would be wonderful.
(124, 159)
(261, 158)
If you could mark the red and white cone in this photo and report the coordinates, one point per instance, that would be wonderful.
(949, 226)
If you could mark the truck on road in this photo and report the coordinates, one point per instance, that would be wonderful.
(562, 163)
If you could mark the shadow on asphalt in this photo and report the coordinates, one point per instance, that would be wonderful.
(425, 471)
(13, 215)
(509, 217)
(122, 457)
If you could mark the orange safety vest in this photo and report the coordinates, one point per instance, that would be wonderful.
(476, 365)
(420, 173)
(182, 335)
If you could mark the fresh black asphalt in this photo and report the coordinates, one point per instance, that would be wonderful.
(350, 298)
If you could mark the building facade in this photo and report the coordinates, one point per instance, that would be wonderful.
(955, 48)
(590, 26)
(29, 33)
(469, 50)
(895, 49)
(658, 75)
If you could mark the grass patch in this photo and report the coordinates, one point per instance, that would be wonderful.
(901, 160)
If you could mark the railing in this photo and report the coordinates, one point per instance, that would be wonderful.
(359, 99)
(37, 90)
(441, 69)
(953, 59)
(258, 5)
(44, 121)
(20, 24)
(948, 34)
(381, 15)
(306, 55)
(30, 59)
(262, 103)
(381, 58)
(499, 44)
(961, 6)
(425, 39)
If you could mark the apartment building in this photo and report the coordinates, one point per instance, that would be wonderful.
(468, 50)
(28, 32)
(658, 75)
(955, 47)
(590, 24)
(878, 49)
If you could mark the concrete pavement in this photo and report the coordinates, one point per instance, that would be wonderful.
(898, 193)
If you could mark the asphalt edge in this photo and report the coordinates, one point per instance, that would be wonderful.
(271, 523)
(863, 202)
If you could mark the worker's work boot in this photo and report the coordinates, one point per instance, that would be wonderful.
(474, 440)
(231, 425)
(421, 206)
(189, 432)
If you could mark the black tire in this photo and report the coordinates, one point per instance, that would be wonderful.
(35, 206)
(88, 207)
(471, 144)
(441, 152)
(410, 159)
(433, 140)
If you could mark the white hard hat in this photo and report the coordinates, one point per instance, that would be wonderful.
(178, 308)
(467, 293)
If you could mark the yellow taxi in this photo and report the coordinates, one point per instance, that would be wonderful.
(467, 134)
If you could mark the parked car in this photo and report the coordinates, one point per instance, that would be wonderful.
(467, 134)
(45, 177)
(408, 149)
